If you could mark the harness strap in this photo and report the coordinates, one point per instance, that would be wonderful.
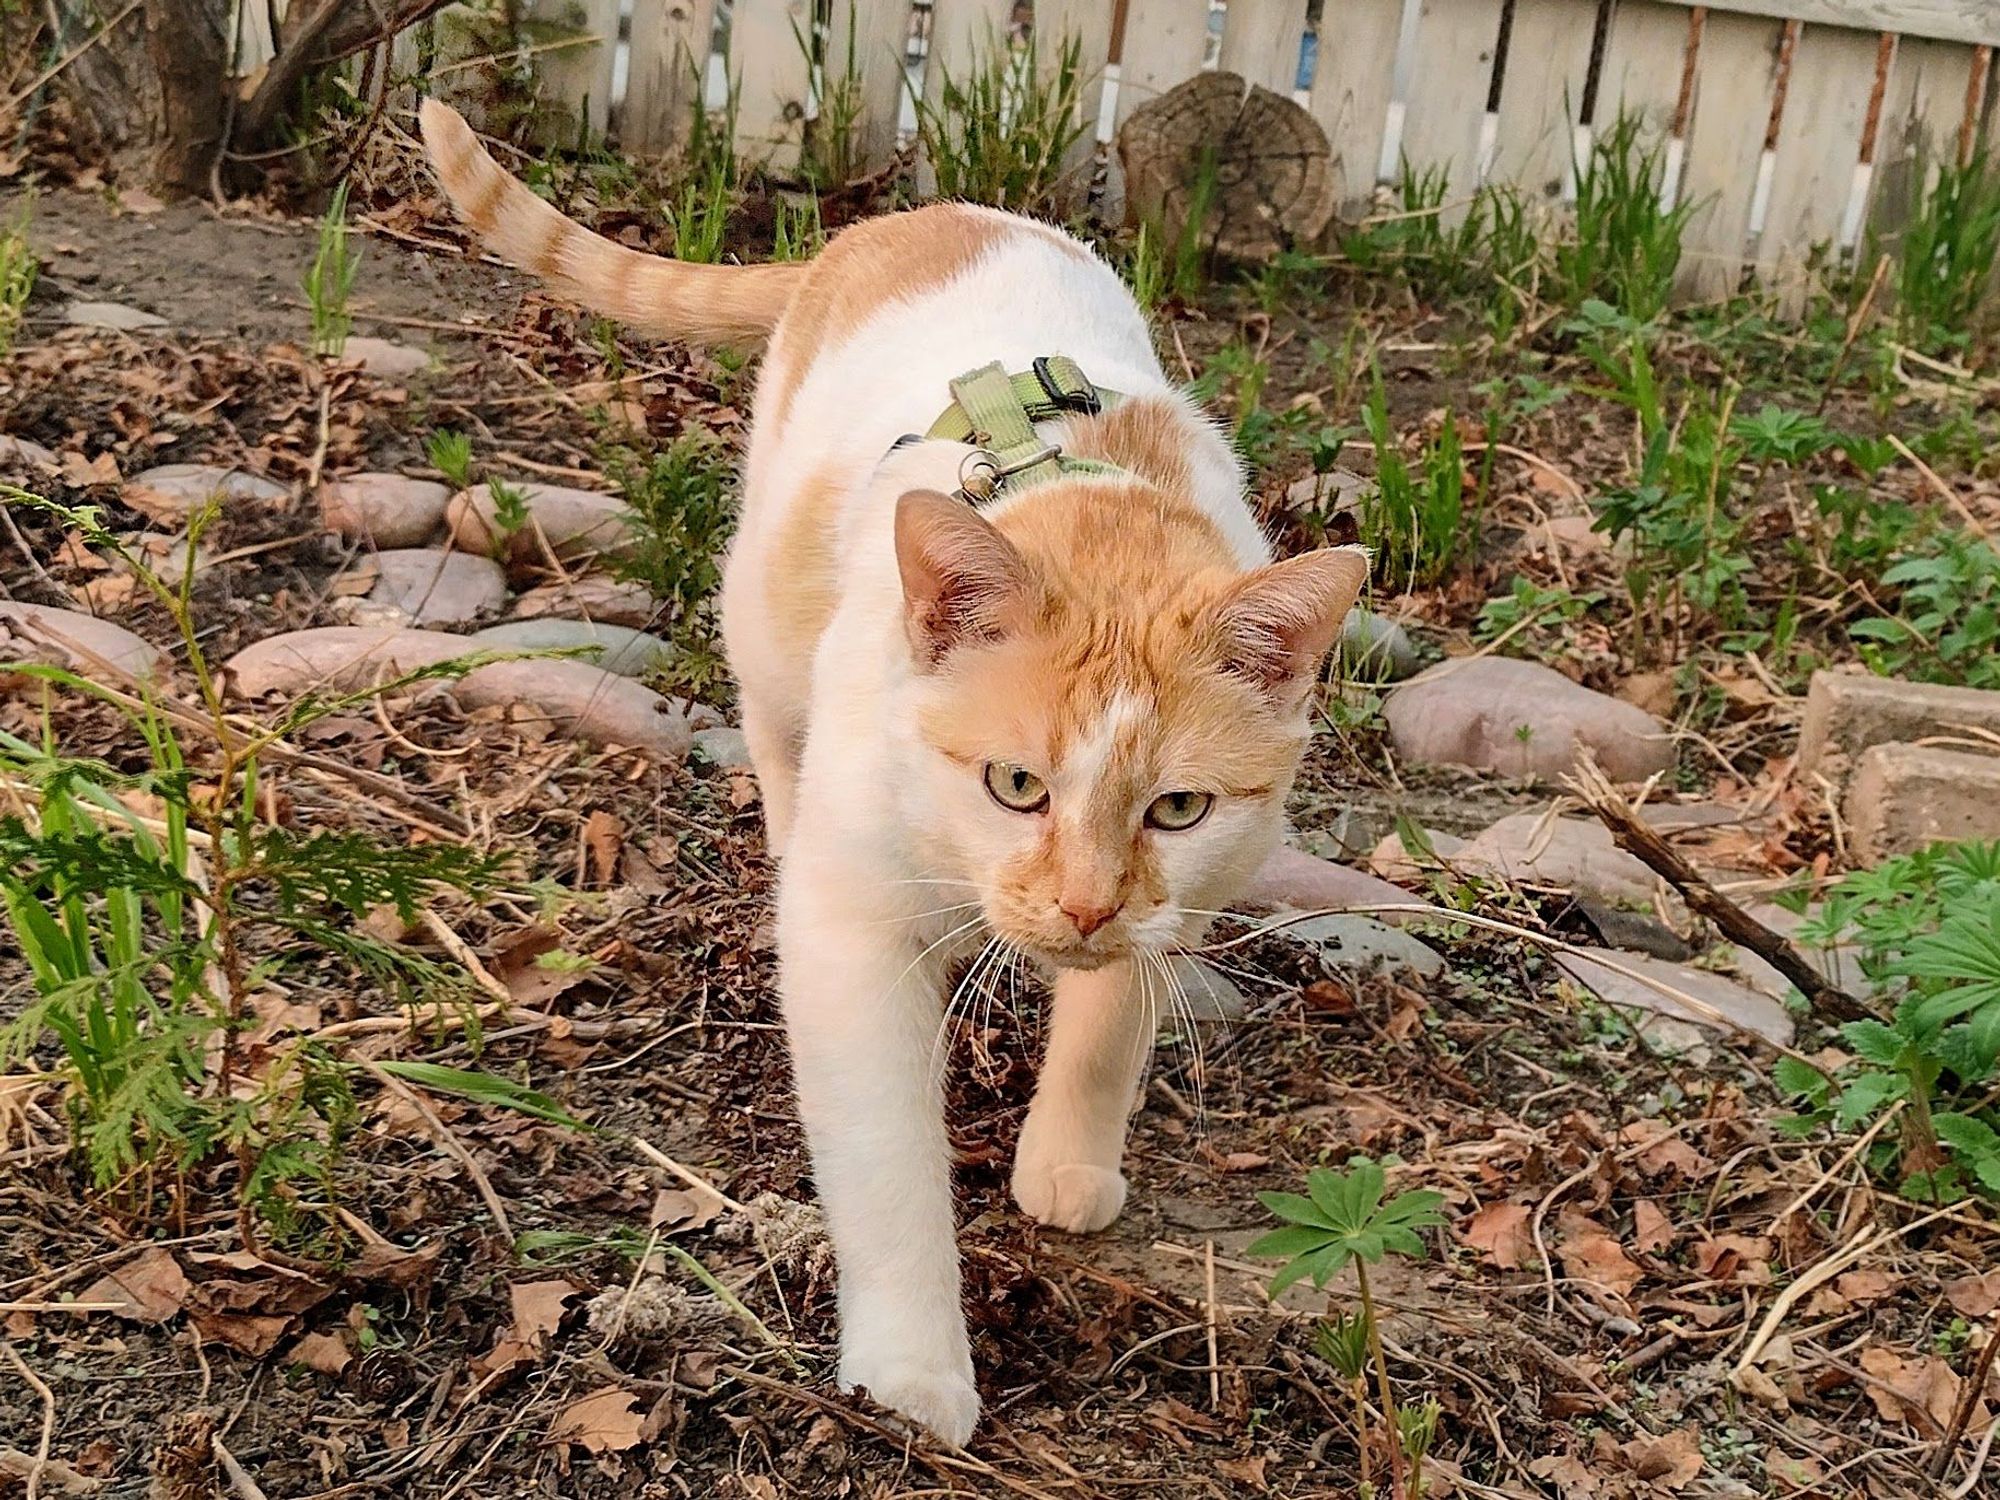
(996, 412)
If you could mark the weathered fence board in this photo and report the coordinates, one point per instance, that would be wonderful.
(865, 47)
(1644, 59)
(1735, 73)
(666, 74)
(771, 72)
(1920, 127)
(1260, 41)
(1541, 94)
(1088, 22)
(1942, 20)
(578, 71)
(1445, 110)
(1351, 90)
(1819, 144)
(1165, 41)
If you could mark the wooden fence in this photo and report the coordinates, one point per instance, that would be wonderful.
(1799, 127)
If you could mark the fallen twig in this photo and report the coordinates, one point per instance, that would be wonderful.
(441, 1133)
(1949, 495)
(1969, 1398)
(1639, 839)
(41, 1388)
(239, 1477)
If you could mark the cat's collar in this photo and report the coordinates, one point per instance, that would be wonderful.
(995, 414)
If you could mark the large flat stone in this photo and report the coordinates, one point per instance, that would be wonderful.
(437, 586)
(1847, 713)
(1576, 854)
(389, 510)
(70, 638)
(1349, 943)
(573, 524)
(1518, 718)
(616, 648)
(170, 493)
(1718, 1001)
(1902, 798)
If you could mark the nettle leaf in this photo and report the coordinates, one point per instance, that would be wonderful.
(1874, 1042)
(1866, 1094)
(1799, 1080)
(1968, 1136)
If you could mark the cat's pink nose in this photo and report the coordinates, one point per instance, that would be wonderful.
(1088, 916)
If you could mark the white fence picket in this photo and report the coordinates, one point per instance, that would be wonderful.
(1819, 144)
(1734, 76)
(1920, 126)
(667, 72)
(1541, 94)
(1260, 41)
(1351, 90)
(577, 71)
(866, 47)
(771, 72)
(1088, 22)
(1164, 44)
(1446, 109)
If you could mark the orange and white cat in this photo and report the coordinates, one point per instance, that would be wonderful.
(1061, 724)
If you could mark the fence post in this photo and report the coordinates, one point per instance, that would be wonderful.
(866, 48)
(1260, 42)
(578, 73)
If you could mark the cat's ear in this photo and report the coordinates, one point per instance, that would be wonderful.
(1279, 622)
(962, 580)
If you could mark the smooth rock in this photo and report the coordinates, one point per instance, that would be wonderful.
(585, 702)
(1373, 649)
(1716, 996)
(1350, 943)
(723, 746)
(615, 648)
(582, 701)
(170, 493)
(385, 358)
(573, 523)
(1839, 965)
(1327, 494)
(435, 586)
(1295, 881)
(388, 510)
(592, 597)
(1495, 713)
(17, 451)
(700, 715)
(337, 658)
(113, 315)
(70, 638)
(1576, 854)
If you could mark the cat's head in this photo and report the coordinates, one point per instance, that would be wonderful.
(1109, 713)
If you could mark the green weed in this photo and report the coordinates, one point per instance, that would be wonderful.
(1927, 927)
(450, 454)
(1002, 132)
(681, 496)
(1415, 519)
(154, 905)
(1623, 247)
(330, 280)
(1946, 253)
(797, 233)
(18, 269)
(1946, 622)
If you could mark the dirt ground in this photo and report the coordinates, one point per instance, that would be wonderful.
(423, 1358)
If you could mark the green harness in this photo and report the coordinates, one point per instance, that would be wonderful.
(995, 413)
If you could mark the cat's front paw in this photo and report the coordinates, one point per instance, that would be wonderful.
(1074, 1197)
(940, 1399)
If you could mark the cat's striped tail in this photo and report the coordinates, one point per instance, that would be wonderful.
(701, 304)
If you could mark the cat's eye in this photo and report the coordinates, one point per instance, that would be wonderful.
(1014, 788)
(1175, 812)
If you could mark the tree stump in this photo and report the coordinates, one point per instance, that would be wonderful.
(1262, 163)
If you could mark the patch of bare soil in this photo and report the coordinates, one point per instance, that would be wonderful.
(1623, 1224)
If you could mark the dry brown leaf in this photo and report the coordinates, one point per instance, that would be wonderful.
(1248, 1471)
(1735, 1259)
(325, 1352)
(381, 1261)
(1500, 1232)
(1244, 1161)
(1572, 1477)
(538, 1309)
(1974, 1296)
(1866, 1286)
(603, 842)
(1662, 1149)
(679, 1210)
(1590, 1255)
(1668, 1462)
(605, 1421)
(516, 963)
(108, 594)
(1919, 1389)
(150, 1288)
(1651, 1229)
(103, 469)
(1652, 691)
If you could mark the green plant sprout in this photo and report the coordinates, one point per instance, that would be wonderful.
(331, 279)
(1343, 1220)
